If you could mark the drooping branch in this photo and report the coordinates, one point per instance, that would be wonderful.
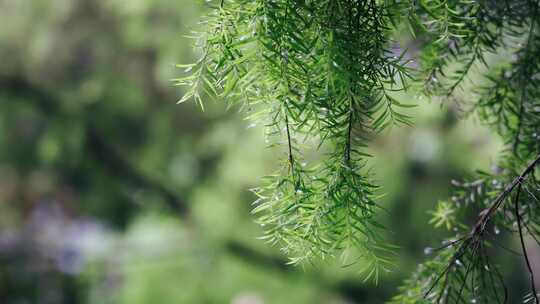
(522, 242)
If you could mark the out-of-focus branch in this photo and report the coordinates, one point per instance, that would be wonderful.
(113, 162)
(101, 150)
(118, 166)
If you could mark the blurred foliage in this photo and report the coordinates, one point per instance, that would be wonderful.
(112, 193)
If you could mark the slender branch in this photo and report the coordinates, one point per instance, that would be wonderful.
(480, 226)
(456, 256)
(117, 165)
(284, 63)
(523, 247)
(289, 145)
(486, 214)
(468, 66)
(348, 146)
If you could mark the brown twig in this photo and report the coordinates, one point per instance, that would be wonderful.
(480, 226)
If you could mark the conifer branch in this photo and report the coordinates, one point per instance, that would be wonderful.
(312, 64)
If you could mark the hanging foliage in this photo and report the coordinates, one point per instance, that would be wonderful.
(321, 77)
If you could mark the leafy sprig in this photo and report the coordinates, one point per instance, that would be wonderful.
(323, 72)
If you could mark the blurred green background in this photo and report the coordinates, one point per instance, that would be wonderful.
(110, 192)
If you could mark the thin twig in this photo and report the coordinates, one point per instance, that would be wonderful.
(523, 247)
(480, 226)
(488, 213)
